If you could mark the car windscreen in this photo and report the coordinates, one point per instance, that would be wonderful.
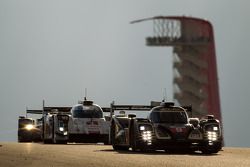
(91, 112)
(170, 117)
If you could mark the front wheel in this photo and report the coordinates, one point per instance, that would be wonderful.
(210, 150)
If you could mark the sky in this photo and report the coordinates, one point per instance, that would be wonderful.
(54, 49)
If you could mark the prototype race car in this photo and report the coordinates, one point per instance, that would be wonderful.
(88, 124)
(85, 122)
(166, 128)
(27, 130)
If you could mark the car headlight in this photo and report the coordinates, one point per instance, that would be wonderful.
(215, 128)
(212, 127)
(147, 137)
(146, 132)
(145, 127)
(29, 127)
(212, 132)
(61, 129)
(212, 136)
(142, 128)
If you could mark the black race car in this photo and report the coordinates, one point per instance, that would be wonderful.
(28, 131)
(167, 127)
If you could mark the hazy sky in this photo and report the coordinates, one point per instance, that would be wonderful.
(54, 49)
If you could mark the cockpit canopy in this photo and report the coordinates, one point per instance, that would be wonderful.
(89, 111)
(168, 115)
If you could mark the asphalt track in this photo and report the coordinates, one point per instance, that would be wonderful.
(87, 155)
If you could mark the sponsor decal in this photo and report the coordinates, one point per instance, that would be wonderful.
(178, 130)
(93, 127)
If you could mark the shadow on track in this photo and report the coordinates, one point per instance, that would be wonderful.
(159, 152)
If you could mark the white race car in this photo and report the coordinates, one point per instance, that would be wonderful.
(87, 123)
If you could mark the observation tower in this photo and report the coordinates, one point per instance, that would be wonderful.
(195, 79)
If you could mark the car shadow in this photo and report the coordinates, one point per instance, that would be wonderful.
(159, 152)
(72, 144)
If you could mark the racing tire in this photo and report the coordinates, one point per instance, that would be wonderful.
(54, 141)
(209, 151)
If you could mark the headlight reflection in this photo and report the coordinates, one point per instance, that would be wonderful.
(29, 127)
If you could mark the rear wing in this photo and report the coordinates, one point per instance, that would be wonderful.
(47, 110)
(153, 104)
(105, 109)
(34, 111)
(57, 109)
(52, 110)
(114, 107)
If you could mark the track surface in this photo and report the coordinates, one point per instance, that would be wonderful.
(86, 155)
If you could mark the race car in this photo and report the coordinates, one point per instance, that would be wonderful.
(55, 125)
(167, 127)
(27, 130)
(88, 124)
(83, 123)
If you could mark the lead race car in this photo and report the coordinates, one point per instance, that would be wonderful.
(87, 123)
(167, 127)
